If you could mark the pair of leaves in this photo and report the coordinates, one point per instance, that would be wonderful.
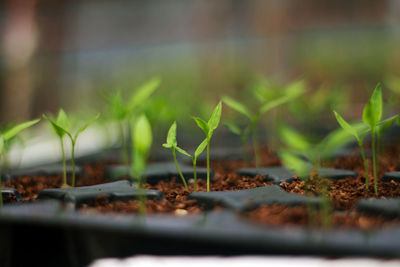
(293, 91)
(120, 111)
(372, 115)
(61, 124)
(173, 144)
(212, 124)
(12, 132)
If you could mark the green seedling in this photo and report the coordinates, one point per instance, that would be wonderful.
(61, 128)
(173, 145)
(142, 140)
(208, 129)
(292, 92)
(372, 115)
(122, 111)
(5, 137)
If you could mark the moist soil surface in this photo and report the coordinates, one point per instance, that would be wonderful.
(343, 193)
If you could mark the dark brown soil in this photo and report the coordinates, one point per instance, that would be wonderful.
(176, 195)
(281, 215)
(30, 186)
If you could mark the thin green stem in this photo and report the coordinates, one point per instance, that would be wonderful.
(195, 174)
(365, 165)
(256, 149)
(374, 161)
(125, 152)
(208, 165)
(179, 170)
(245, 156)
(73, 163)
(1, 184)
(64, 163)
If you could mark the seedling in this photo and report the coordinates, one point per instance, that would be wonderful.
(173, 145)
(293, 91)
(61, 128)
(209, 128)
(142, 139)
(372, 115)
(5, 137)
(122, 112)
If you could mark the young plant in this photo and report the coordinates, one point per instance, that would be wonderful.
(293, 91)
(372, 115)
(61, 128)
(122, 111)
(209, 128)
(142, 139)
(5, 137)
(173, 145)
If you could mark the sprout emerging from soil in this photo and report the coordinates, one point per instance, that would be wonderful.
(60, 127)
(372, 115)
(292, 92)
(173, 145)
(142, 140)
(6, 137)
(122, 112)
(209, 128)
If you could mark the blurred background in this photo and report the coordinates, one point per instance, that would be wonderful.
(69, 53)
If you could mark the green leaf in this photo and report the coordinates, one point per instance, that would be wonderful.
(202, 124)
(142, 135)
(171, 137)
(62, 119)
(83, 128)
(60, 132)
(200, 148)
(372, 112)
(233, 128)
(295, 163)
(167, 146)
(398, 120)
(386, 124)
(273, 104)
(233, 104)
(18, 128)
(144, 92)
(118, 110)
(215, 118)
(183, 152)
(346, 126)
(1, 145)
(295, 89)
(293, 139)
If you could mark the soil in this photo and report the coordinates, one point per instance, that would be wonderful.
(30, 186)
(281, 215)
(176, 196)
(343, 193)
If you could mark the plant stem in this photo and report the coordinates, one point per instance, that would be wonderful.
(195, 174)
(179, 170)
(73, 163)
(125, 153)
(360, 143)
(1, 184)
(63, 162)
(245, 156)
(374, 161)
(208, 165)
(141, 196)
(256, 149)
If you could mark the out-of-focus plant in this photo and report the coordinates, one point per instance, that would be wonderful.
(293, 91)
(5, 137)
(61, 127)
(122, 111)
(208, 128)
(309, 109)
(142, 140)
(173, 145)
